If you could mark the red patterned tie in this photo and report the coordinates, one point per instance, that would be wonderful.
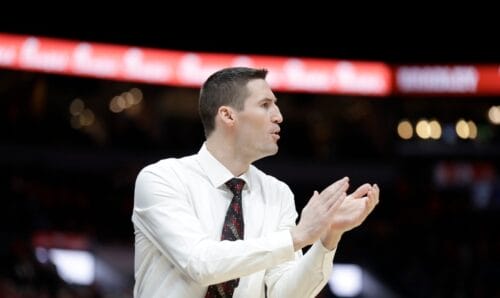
(232, 230)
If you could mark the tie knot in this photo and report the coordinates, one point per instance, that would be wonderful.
(235, 185)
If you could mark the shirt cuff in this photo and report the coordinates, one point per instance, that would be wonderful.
(282, 247)
(320, 257)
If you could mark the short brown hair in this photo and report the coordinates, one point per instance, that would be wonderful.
(227, 86)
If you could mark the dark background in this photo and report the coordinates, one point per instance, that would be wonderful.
(425, 239)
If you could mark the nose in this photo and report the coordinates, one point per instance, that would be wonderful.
(276, 116)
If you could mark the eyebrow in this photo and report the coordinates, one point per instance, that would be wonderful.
(275, 100)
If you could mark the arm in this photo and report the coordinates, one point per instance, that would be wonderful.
(308, 274)
(304, 277)
(163, 211)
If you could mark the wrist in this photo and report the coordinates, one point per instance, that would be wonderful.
(298, 240)
(331, 239)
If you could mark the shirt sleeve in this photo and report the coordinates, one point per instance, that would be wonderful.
(163, 212)
(307, 274)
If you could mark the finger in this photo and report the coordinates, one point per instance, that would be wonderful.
(314, 202)
(377, 193)
(335, 188)
(334, 197)
(314, 198)
(372, 198)
(315, 195)
(371, 202)
(361, 191)
(335, 203)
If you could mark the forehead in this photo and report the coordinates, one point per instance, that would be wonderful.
(259, 89)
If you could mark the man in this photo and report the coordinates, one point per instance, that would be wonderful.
(198, 235)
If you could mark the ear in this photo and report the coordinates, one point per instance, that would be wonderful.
(226, 115)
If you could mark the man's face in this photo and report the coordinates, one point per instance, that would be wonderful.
(258, 122)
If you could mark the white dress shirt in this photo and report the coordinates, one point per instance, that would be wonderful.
(179, 210)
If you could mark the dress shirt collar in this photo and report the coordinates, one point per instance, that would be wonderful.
(217, 173)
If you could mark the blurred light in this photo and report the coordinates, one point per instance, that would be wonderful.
(423, 129)
(462, 129)
(405, 130)
(443, 79)
(494, 114)
(346, 280)
(87, 117)
(42, 255)
(472, 129)
(76, 107)
(129, 99)
(435, 128)
(74, 266)
(117, 104)
(137, 94)
(113, 105)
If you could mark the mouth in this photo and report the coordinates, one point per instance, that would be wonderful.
(276, 134)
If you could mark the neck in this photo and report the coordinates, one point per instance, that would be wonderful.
(225, 151)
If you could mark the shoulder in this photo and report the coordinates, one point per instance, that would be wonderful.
(168, 167)
(161, 181)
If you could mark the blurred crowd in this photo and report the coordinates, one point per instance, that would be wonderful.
(425, 239)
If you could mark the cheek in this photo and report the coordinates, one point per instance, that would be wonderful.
(253, 123)
(245, 128)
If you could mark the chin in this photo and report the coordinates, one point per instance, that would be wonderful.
(273, 150)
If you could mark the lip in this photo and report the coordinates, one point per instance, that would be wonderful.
(276, 132)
